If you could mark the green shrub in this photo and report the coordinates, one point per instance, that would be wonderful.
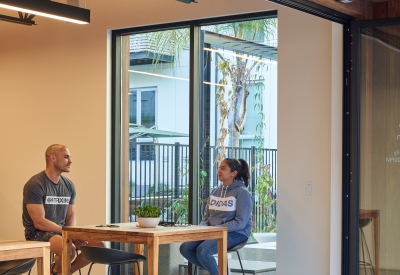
(147, 211)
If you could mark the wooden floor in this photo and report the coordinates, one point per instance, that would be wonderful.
(250, 267)
(387, 272)
(381, 272)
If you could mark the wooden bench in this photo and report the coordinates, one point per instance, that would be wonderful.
(14, 250)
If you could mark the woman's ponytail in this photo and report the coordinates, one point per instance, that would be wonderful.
(244, 172)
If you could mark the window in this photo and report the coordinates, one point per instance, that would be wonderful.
(142, 107)
(158, 120)
(175, 152)
(375, 136)
(142, 111)
(239, 86)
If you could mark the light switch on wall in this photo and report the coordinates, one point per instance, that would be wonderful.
(309, 188)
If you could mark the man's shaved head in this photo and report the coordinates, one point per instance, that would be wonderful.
(53, 149)
(58, 158)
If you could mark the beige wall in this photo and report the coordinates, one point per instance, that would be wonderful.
(309, 144)
(54, 88)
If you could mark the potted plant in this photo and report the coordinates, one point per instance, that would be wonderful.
(147, 215)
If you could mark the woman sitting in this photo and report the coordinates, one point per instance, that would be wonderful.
(229, 205)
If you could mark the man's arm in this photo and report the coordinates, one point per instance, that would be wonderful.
(37, 214)
(70, 219)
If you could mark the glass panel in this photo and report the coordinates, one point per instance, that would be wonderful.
(148, 109)
(239, 107)
(158, 122)
(380, 151)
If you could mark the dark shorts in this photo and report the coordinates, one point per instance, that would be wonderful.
(33, 234)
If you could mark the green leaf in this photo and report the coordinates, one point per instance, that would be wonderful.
(147, 211)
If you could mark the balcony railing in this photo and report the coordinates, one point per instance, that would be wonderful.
(158, 175)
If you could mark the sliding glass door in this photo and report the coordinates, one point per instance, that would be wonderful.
(377, 48)
(239, 103)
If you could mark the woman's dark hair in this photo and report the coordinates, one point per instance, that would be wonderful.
(241, 166)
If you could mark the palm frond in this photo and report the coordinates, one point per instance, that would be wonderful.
(171, 42)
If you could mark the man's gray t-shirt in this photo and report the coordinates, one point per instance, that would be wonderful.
(54, 197)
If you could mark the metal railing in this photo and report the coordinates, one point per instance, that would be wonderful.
(158, 175)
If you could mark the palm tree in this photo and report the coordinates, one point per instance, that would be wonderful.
(240, 70)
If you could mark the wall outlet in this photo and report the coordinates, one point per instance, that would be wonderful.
(309, 188)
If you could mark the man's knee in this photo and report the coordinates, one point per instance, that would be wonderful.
(56, 246)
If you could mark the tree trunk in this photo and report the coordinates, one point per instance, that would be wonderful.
(237, 116)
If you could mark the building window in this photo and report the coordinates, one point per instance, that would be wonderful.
(142, 107)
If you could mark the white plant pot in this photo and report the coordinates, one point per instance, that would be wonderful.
(148, 222)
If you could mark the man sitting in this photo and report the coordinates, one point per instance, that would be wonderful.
(48, 205)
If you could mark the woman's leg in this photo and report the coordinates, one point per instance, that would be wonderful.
(205, 255)
(201, 253)
(206, 250)
(188, 250)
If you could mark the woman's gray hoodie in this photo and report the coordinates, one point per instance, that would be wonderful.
(230, 207)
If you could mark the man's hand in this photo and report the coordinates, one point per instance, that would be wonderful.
(79, 243)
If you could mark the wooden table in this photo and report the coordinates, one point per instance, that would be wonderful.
(152, 237)
(374, 215)
(15, 250)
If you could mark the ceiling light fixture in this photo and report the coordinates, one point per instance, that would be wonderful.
(187, 1)
(345, 1)
(49, 9)
(24, 19)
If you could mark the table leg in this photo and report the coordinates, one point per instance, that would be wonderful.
(376, 243)
(152, 255)
(139, 249)
(222, 254)
(66, 257)
(43, 263)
